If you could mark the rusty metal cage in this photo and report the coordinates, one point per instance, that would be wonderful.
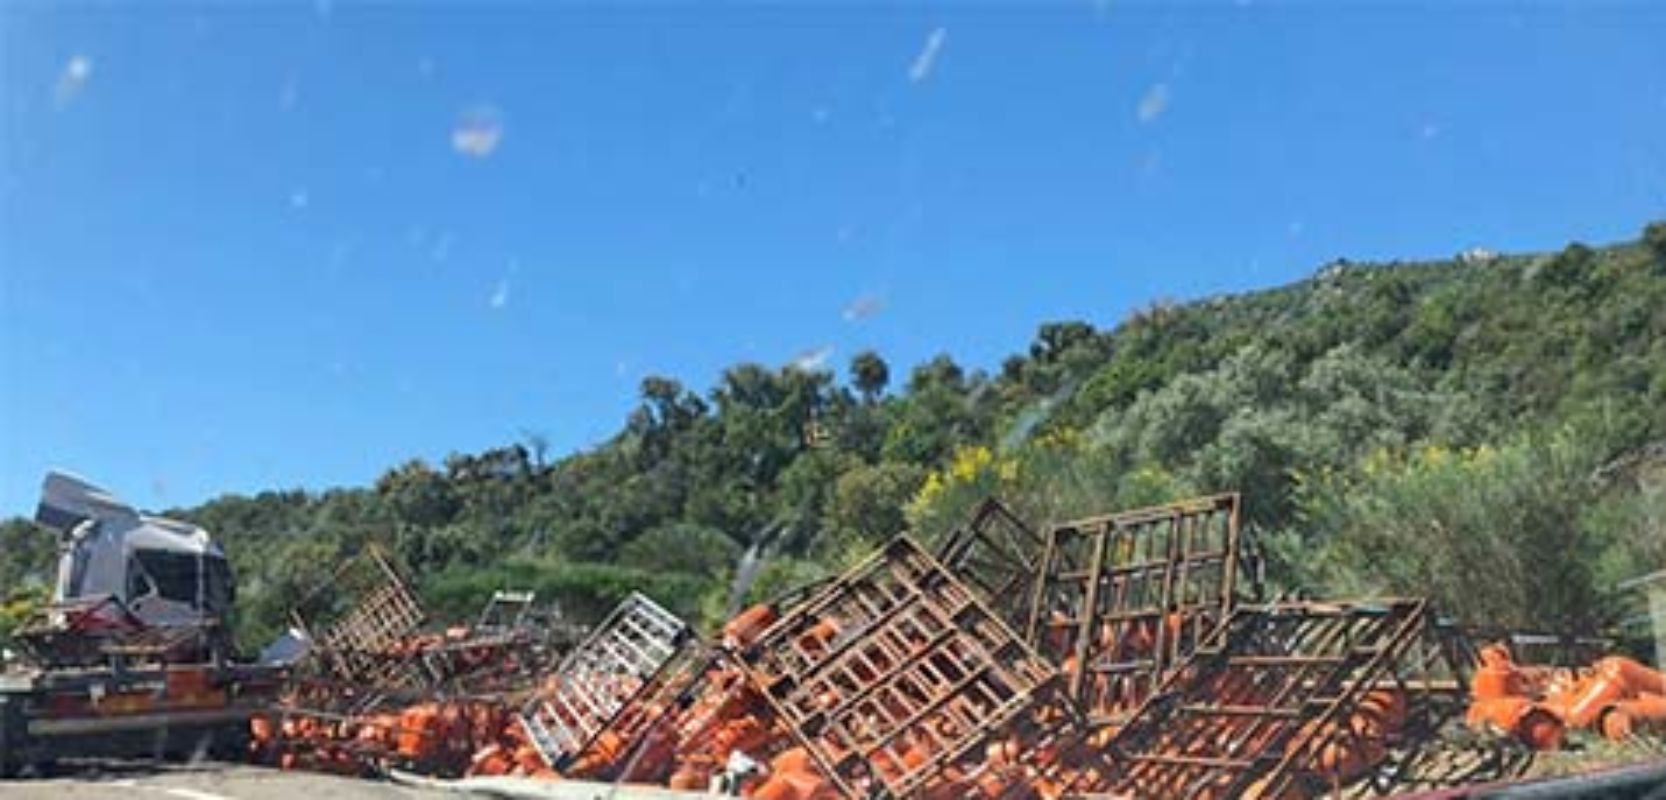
(896, 677)
(1289, 699)
(599, 679)
(1120, 600)
(998, 556)
(355, 618)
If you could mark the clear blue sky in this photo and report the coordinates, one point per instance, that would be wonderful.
(249, 246)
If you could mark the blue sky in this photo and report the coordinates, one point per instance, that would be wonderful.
(249, 246)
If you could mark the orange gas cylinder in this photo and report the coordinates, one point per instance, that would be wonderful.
(793, 786)
(1261, 789)
(1540, 729)
(490, 760)
(1643, 711)
(819, 635)
(741, 631)
(949, 787)
(915, 756)
(527, 760)
(994, 782)
(1645, 707)
(1502, 712)
(691, 777)
(1345, 751)
(1616, 725)
(1345, 759)
(1581, 704)
(1532, 724)
(418, 726)
(652, 761)
(1175, 622)
(261, 730)
(1633, 675)
(1381, 712)
(792, 759)
(1140, 637)
(1003, 752)
(1497, 676)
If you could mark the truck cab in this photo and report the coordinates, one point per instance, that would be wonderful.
(165, 572)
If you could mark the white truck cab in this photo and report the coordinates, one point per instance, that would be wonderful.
(164, 571)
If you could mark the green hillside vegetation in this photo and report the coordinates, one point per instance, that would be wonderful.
(1469, 429)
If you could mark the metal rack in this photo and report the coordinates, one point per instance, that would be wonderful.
(598, 680)
(1120, 600)
(896, 677)
(354, 619)
(997, 555)
(1284, 700)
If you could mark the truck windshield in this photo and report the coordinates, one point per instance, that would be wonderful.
(180, 576)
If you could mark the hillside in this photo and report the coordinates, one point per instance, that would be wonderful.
(1434, 427)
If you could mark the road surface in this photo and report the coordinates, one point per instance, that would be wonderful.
(204, 782)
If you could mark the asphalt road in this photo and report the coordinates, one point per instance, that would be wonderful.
(205, 782)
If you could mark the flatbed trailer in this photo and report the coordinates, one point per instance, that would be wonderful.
(172, 711)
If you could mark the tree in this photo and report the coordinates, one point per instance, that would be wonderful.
(870, 374)
(1054, 339)
(418, 495)
(1654, 237)
(868, 501)
(538, 443)
(939, 373)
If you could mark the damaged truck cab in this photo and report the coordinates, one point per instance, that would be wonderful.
(132, 657)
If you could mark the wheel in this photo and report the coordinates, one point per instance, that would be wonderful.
(230, 743)
(11, 720)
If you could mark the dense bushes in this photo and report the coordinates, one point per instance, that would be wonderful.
(1516, 535)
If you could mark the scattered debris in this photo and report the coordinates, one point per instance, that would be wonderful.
(1126, 655)
(1618, 696)
(374, 693)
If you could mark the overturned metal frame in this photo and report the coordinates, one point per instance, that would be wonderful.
(600, 679)
(652, 723)
(1292, 699)
(354, 619)
(896, 676)
(1120, 600)
(998, 556)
